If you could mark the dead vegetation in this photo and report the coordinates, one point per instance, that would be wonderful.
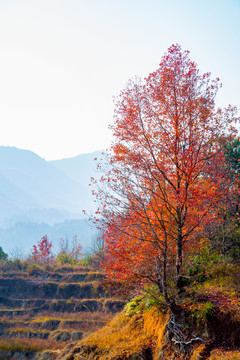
(206, 324)
(42, 307)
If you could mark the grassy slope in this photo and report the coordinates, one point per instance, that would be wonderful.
(210, 308)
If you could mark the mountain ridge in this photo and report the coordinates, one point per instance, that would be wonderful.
(34, 191)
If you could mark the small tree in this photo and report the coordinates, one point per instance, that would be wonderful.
(17, 253)
(42, 252)
(96, 255)
(69, 253)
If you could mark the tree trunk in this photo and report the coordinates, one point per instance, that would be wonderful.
(179, 260)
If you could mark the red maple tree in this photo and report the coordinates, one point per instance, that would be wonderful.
(42, 252)
(167, 171)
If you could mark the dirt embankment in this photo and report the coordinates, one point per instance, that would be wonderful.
(144, 335)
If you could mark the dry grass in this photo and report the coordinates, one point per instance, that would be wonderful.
(220, 354)
(70, 268)
(197, 351)
(126, 335)
(90, 316)
(15, 318)
(47, 315)
(216, 354)
(25, 330)
(85, 325)
(21, 321)
(23, 344)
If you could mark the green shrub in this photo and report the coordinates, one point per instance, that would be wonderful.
(65, 258)
(134, 306)
(203, 312)
(3, 255)
(203, 263)
(87, 261)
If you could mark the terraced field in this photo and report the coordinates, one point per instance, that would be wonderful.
(49, 309)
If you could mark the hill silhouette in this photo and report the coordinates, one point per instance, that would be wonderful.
(38, 197)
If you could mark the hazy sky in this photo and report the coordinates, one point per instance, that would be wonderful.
(62, 61)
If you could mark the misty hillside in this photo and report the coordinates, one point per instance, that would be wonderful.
(46, 185)
(39, 197)
(23, 235)
(13, 200)
(80, 169)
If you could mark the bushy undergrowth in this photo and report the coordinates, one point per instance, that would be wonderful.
(30, 268)
(41, 258)
(209, 267)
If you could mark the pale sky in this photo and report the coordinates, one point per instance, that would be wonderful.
(62, 61)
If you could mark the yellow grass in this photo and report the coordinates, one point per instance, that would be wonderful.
(124, 336)
(218, 354)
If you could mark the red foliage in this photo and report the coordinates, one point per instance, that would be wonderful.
(42, 251)
(168, 170)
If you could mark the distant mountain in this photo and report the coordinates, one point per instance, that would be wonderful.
(46, 186)
(23, 235)
(36, 196)
(80, 168)
(13, 199)
(49, 216)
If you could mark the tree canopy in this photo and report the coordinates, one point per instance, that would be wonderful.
(168, 172)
